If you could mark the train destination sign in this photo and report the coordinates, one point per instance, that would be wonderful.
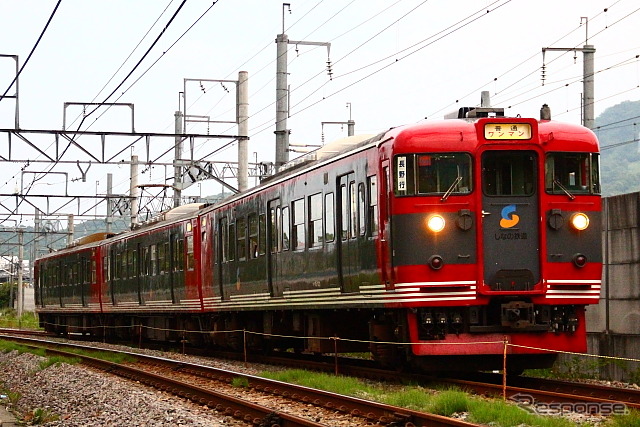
(507, 131)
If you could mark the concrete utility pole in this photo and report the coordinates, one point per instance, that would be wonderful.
(109, 218)
(588, 97)
(133, 191)
(70, 229)
(282, 90)
(243, 130)
(177, 169)
(20, 257)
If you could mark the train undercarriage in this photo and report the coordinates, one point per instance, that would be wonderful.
(382, 334)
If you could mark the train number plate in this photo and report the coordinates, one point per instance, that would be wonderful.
(507, 131)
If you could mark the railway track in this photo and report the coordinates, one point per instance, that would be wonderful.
(202, 384)
(523, 390)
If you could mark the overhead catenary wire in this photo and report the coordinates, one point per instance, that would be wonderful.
(55, 9)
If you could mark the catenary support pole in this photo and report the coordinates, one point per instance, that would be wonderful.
(243, 130)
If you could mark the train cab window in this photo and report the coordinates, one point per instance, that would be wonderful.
(572, 172)
(433, 173)
(329, 221)
(508, 173)
(241, 236)
(93, 271)
(285, 243)
(372, 216)
(299, 240)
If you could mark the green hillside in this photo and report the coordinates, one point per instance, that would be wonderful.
(617, 129)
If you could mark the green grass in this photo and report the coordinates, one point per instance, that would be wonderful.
(444, 402)
(630, 420)
(57, 360)
(240, 382)
(103, 355)
(28, 320)
(9, 346)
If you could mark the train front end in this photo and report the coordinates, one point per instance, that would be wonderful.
(494, 229)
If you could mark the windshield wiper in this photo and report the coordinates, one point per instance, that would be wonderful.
(447, 193)
(563, 188)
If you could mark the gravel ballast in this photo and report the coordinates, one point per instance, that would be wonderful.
(79, 396)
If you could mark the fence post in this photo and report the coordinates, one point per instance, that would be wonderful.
(244, 340)
(504, 369)
(140, 335)
(335, 352)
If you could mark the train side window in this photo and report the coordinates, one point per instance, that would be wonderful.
(162, 255)
(232, 242)
(362, 211)
(117, 266)
(274, 223)
(105, 268)
(132, 263)
(144, 261)
(329, 221)
(123, 271)
(154, 260)
(180, 250)
(191, 262)
(372, 217)
(167, 257)
(285, 244)
(315, 220)
(253, 236)
(241, 236)
(224, 239)
(262, 234)
(344, 213)
(353, 210)
(299, 241)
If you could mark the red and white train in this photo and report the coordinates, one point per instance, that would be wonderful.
(428, 244)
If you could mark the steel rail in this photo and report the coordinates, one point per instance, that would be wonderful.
(372, 411)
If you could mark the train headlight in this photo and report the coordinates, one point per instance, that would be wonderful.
(580, 221)
(436, 223)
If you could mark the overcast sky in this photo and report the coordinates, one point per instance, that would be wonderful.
(393, 62)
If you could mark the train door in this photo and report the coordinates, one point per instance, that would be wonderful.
(274, 244)
(384, 204)
(510, 220)
(348, 226)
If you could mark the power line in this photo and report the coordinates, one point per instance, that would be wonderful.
(138, 63)
(55, 9)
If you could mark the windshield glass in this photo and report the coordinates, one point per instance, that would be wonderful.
(433, 173)
(578, 173)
